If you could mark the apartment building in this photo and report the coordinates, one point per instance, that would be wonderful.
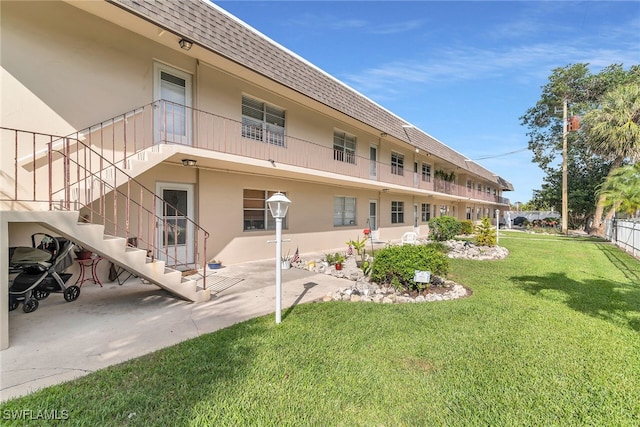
(153, 132)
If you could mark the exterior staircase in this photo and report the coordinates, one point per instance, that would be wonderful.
(79, 198)
(91, 236)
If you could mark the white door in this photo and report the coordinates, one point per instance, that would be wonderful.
(172, 90)
(373, 219)
(175, 235)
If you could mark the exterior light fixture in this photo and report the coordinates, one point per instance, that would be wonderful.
(278, 205)
(185, 44)
(383, 134)
(188, 162)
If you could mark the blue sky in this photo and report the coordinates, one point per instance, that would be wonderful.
(464, 72)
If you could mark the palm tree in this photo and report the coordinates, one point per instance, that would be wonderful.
(621, 190)
(613, 131)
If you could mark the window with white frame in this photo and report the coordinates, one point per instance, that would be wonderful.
(426, 172)
(443, 210)
(397, 164)
(262, 121)
(479, 188)
(426, 212)
(478, 213)
(469, 184)
(397, 212)
(256, 214)
(344, 147)
(469, 209)
(344, 211)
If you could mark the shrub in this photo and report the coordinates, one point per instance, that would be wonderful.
(466, 226)
(485, 233)
(444, 228)
(396, 265)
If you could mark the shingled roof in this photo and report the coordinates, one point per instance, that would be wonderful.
(216, 30)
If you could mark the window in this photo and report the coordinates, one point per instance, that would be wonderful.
(443, 210)
(479, 188)
(397, 164)
(477, 213)
(256, 212)
(426, 212)
(469, 212)
(469, 184)
(344, 147)
(344, 211)
(397, 212)
(426, 172)
(262, 122)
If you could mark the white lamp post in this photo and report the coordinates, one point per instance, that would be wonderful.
(497, 226)
(278, 205)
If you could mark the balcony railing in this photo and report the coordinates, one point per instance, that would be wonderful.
(164, 122)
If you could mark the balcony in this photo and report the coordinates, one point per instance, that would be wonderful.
(163, 122)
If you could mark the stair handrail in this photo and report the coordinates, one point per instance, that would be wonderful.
(85, 154)
(92, 177)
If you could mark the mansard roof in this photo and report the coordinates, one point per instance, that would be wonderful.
(218, 31)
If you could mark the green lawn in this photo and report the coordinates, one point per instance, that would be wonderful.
(551, 336)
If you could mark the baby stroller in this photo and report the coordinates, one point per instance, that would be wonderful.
(39, 271)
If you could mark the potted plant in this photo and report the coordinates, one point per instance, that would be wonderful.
(338, 259)
(82, 253)
(285, 262)
(358, 246)
(214, 264)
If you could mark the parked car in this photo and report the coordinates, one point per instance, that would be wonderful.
(520, 221)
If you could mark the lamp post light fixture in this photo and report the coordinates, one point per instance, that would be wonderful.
(278, 205)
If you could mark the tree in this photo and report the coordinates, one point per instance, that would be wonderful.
(585, 173)
(614, 133)
(621, 190)
(584, 92)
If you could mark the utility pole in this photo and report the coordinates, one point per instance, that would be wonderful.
(565, 201)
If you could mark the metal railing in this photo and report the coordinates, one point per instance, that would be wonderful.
(625, 233)
(164, 122)
(54, 172)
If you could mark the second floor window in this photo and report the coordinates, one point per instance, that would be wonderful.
(262, 122)
(397, 164)
(344, 147)
(426, 172)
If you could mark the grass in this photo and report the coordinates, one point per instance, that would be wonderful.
(551, 336)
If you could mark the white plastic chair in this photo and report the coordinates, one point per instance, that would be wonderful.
(409, 238)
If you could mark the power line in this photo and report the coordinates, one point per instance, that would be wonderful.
(501, 155)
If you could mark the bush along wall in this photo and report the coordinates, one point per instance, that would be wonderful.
(444, 228)
(396, 265)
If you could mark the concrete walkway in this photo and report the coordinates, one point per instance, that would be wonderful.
(105, 326)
